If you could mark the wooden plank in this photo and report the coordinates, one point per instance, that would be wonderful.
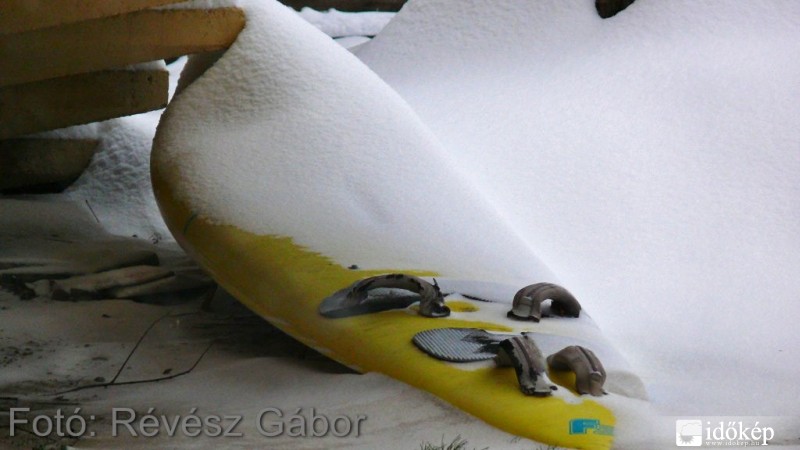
(25, 15)
(77, 99)
(36, 165)
(116, 41)
(610, 8)
(347, 5)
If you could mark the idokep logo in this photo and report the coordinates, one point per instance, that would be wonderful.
(721, 433)
(689, 433)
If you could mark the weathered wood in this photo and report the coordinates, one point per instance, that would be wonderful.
(180, 282)
(347, 5)
(115, 41)
(610, 8)
(82, 260)
(26, 15)
(26, 163)
(93, 284)
(78, 99)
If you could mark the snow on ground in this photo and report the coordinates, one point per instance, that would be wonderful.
(651, 161)
(648, 159)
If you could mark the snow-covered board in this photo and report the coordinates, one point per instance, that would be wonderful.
(292, 173)
(286, 284)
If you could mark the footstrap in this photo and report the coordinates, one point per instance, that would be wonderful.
(524, 355)
(589, 372)
(431, 303)
(356, 299)
(528, 302)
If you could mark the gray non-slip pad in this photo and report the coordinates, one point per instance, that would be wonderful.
(459, 344)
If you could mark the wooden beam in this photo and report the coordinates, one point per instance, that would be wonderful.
(25, 15)
(347, 5)
(35, 165)
(610, 8)
(115, 41)
(78, 99)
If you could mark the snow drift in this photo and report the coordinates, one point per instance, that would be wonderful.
(650, 159)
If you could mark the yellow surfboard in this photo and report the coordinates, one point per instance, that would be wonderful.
(285, 284)
(290, 172)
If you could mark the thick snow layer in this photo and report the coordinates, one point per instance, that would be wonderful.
(289, 134)
(651, 160)
(116, 184)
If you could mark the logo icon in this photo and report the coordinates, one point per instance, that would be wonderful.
(593, 426)
(689, 433)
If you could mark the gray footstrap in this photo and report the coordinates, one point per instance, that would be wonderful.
(357, 299)
(589, 372)
(529, 363)
(527, 303)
